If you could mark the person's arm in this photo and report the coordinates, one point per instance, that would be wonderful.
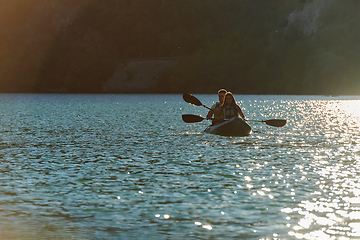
(210, 114)
(240, 112)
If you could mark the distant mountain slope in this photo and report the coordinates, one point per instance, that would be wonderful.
(248, 46)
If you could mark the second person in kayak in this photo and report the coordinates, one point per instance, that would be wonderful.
(230, 108)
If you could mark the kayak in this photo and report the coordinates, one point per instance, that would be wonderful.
(233, 127)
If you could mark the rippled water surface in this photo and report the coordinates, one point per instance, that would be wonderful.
(127, 167)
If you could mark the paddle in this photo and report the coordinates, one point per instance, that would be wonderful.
(193, 100)
(193, 118)
(189, 118)
(271, 122)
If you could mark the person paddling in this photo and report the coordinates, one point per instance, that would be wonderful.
(230, 109)
(215, 108)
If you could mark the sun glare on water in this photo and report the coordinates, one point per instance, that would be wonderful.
(332, 211)
(352, 108)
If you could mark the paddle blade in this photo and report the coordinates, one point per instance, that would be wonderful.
(191, 99)
(276, 122)
(189, 118)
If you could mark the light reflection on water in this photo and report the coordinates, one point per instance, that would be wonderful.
(334, 209)
(127, 167)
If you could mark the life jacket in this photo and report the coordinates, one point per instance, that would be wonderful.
(230, 111)
(216, 106)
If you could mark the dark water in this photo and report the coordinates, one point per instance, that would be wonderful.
(127, 167)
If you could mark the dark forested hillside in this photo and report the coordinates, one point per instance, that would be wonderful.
(247, 46)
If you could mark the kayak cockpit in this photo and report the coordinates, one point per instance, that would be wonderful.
(233, 127)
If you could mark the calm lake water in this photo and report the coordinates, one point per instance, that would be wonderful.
(128, 167)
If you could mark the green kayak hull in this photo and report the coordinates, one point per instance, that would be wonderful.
(232, 127)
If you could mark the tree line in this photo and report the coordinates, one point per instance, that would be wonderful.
(248, 46)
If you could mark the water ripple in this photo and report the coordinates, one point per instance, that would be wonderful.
(127, 167)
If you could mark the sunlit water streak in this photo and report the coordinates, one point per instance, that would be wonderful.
(127, 167)
(334, 209)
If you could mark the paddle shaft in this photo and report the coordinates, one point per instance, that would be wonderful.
(254, 120)
(206, 107)
(190, 118)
